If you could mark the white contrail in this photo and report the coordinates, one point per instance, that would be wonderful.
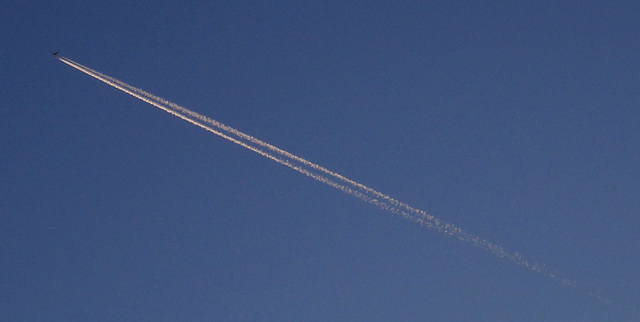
(306, 172)
(326, 176)
(422, 217)
(255, 141)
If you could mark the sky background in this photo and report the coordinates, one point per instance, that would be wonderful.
(518, 122)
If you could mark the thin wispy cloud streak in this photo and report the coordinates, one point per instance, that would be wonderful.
(324, 175)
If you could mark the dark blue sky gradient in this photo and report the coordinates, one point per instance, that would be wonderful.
(518, 122)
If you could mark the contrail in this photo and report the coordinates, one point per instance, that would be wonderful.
(321, 174)
(317, 177)
(390, 204)
(251, 139)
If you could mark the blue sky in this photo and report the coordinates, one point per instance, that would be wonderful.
(516, 122)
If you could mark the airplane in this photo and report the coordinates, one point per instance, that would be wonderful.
(55, 55)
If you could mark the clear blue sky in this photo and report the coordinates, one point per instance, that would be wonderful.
(518, 122)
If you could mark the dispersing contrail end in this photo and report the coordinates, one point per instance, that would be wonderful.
(326, 176)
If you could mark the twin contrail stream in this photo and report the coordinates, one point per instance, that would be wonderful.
(321, 174)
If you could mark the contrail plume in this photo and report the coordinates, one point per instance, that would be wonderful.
(396, 207)
(321, 174)
(423, 218)
(254, 140)
(306, 172)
